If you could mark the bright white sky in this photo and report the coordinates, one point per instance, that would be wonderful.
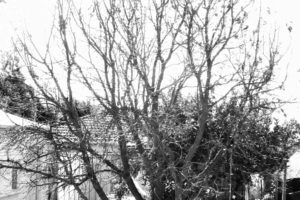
(36, 17)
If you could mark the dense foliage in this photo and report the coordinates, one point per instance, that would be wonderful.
(257, 144)
(17, 97)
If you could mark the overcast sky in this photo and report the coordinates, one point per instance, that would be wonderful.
(36, 17)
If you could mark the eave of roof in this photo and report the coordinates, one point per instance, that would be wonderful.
(8, 120)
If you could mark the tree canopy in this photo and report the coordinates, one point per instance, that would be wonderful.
(138, 60)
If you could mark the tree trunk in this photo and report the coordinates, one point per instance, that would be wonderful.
(93, 178)
(157, 185)
(158, 190)
(178, 184)
(132, 187)
(276, 187)
(230, 176)
(284, 182)
(247, 196)
(125, 161)
(178, 193)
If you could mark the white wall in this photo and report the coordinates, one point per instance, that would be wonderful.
(293, 170)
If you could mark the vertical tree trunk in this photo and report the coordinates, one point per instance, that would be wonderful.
(157, 185)
(247, 192)
(178, 188)
(230, 174)
(125, 161)
(284, 182)
(276, 187)
(157, 192)
(93, 178)
(261, 188)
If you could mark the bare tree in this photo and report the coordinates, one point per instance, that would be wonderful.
(123, 52)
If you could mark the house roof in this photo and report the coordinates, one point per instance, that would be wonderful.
(8, 120)
(98, 126)
(101, 129)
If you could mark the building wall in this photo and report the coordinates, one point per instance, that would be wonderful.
(106, 147)
(22, 191)
(293, 170)
(20, 180)
(106, 179)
